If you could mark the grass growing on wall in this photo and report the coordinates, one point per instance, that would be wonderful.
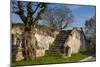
(53, 59)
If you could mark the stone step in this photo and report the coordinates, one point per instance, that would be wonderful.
(61, 36)
(57, 49)
(56, 52)
(58, 46)
(61, 39)
(59, 42)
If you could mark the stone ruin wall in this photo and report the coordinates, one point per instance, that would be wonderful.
(75, 41)
(42, 38)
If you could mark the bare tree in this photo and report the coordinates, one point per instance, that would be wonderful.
(90, 30)
(90, 26)
(58, 17)
(29, 12)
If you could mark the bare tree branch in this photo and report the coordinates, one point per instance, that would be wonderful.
(58, 17)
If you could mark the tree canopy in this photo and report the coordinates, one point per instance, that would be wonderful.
(90, 26)
(29, 12)
(58, 17)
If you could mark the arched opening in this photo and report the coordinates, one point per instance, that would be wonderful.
(67, 51)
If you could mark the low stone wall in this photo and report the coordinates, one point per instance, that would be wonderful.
(44, 41)
(40, 52)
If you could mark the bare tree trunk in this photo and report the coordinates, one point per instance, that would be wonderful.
(28, 51)
(28, 19)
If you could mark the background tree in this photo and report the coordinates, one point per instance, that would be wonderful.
(90, 27)
(58, 18)
(29, 13)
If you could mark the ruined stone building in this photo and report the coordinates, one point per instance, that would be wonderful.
(65, 42)
(70, 42)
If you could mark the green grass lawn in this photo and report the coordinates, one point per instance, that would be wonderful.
(53, 59)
